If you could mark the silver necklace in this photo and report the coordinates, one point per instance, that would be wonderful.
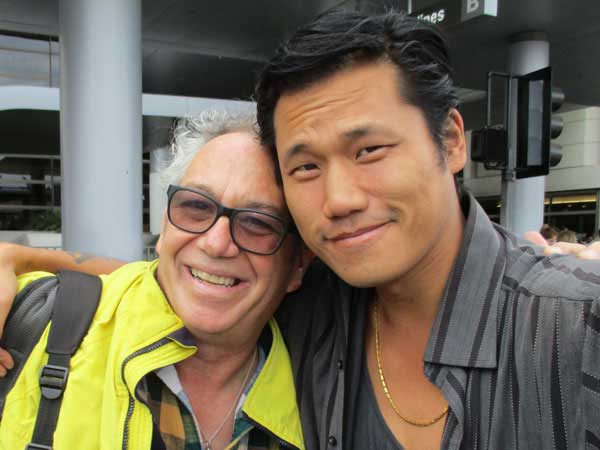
(207, 443)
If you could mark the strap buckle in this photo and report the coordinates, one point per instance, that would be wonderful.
(52, 381)
(34, 446)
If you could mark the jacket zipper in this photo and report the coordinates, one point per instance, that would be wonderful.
(281, 442)
(131, 406)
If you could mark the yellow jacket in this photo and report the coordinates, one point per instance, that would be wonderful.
(128, 338)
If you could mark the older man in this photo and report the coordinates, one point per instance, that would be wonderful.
(181, 353)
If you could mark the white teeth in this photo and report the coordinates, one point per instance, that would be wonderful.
(213, 279)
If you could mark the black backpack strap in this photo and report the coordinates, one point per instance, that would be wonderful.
(76, 302)
(26, 321)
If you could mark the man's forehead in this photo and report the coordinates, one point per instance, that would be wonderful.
(236, 165)
(362, 82)
(366, 73)
(348, 103)
(233, 139)
(235, 147)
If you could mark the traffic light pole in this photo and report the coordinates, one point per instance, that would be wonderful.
(597, 220)
(522, 200)
(509, 180)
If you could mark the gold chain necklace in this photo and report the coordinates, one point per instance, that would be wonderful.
(384, 384)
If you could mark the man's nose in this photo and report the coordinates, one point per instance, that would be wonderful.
(217, 241)
(344, 194)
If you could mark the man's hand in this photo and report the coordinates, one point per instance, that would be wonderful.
(591, 251)
(6, 362)
(8, 282)
(8, 291)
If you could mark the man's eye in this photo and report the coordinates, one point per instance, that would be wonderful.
(199, 205)
(368, 150)
(257, 224)
(304, 168)
(195, 209)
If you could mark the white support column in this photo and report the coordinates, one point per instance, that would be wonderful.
(524, 208)
(159, 158)
(101, 126)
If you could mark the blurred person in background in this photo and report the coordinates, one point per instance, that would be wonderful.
(549, 233)
(567, 236)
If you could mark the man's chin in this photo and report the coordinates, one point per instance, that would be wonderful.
(363, 277)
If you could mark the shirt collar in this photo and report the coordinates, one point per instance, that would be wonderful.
(270, 400)
(465, 330)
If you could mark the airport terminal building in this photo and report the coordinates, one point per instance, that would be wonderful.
(89, 92)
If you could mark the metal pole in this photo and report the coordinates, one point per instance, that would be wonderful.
(49, 61)
(523, 200)
(508, 178)
(52, 199)
(101, 126)
(597, 220)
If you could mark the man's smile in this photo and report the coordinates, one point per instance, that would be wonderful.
(356, 237)
(214, 279)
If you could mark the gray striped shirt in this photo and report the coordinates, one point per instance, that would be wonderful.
(515, 348)
(516, 345)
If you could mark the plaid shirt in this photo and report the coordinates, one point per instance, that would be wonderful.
(175, 427)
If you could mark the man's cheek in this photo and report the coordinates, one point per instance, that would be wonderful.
(294, 202)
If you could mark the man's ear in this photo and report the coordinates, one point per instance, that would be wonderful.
(303, 260)
(163, 226)
(454, 142)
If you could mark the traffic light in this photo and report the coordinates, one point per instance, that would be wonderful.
(490, 147)
(536, 126)
(557, 98)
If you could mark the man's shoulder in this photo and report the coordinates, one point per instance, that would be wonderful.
(560, 277)
(317, 291)
(324, 301)
(130, 277)
(322, 290)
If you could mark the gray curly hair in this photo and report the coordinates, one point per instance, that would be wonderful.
(192, 132)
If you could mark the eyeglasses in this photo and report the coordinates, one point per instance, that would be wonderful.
(253, 231)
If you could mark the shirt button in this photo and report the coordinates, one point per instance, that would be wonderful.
(340, 364)
(332, 441)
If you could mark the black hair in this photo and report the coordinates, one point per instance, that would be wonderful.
(339, 39)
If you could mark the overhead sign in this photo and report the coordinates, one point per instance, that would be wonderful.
(449, 13)
(471, 9)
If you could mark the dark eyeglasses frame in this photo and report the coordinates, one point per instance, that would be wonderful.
(230, 213)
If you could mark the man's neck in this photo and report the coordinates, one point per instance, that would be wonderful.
(215, 368)
(213, 385)
(414, 297)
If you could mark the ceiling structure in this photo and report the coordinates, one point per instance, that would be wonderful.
(214, 48)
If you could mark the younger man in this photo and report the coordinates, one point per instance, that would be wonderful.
(454, 334)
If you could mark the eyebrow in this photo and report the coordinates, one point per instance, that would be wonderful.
(257, 205)
(294, 150)
(358, 133)
(200, 187)
(268, 207)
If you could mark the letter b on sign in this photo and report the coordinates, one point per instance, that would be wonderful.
(475, 8)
